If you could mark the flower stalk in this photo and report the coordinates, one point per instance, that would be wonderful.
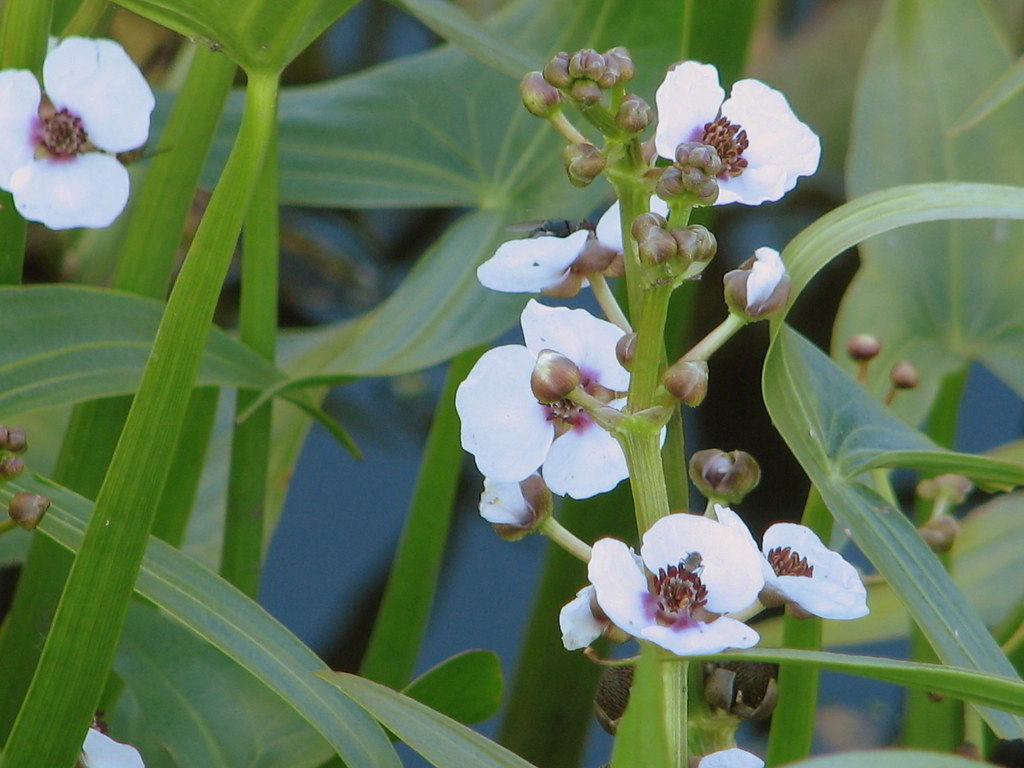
(564, 538)
(716, 339)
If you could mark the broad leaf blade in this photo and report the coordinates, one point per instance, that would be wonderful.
(1006, 87)
(466, 687)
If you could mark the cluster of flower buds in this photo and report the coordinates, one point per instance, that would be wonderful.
(686, 249)
(12, 442)
(693, 177)
(586, 73)
(745, 689)
(726, 477)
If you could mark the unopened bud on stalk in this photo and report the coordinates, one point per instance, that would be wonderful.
(645, 222)
(634, 114)
(12, 439)
(27, 509)
(539, 97)
(727, 476)
(515, 510)
(940, 532)
(595, 257)
(613, 696)
(702, 157)
(904, 375)
(587, 63)
(586, 92)
(745, 689)
(689, 183)
(657, 246)
(554, 377)
(556, 71)
(10, 467)
(583, 163)
(695, 243)
(625, 350)
(623, 62)
(863, 347)
(759, 287)
(952, 487)
(687, 381)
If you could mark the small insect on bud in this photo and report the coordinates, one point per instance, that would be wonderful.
(634, 114)
(687, 381)
(27, 509)
(587, 63)
(623, 61)
(583, 163)
(556, 71)
(625, 350)
(745, 689)
(10, 467)
(613, 696)
(586, 92)
(539, 97)
(863, 347)
(554, 377)
(940, 532)
(13, 439)
(727, 476)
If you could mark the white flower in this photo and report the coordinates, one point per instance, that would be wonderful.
(699, 569)
(101, 751)
(609, 229)
(762, 144)
(97, 100)
(731, 758)
(532, 264)
(580, 627)
(766, 273)
(799, 569)
(504, 504)
(510, 434)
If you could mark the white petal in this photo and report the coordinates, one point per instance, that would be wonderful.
(687, 98)
(586, 340)
(101, 751)
(576, 620)
(732, 564)
(19, 110)
(584, 462)
(765, 275)
(699, 638)
(88, 190)
(835, 591)
(609, 229)
(532, 264)
(620, 586)
(503, 503)
(728, 518)
(731, 758)
(97, 81)
(503, 425)
(781, 147)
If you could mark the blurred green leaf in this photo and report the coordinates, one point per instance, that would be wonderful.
(1007, 86)
(640, 740)
(466, 687)
(187, 705)
(889, 758)
(943, 294)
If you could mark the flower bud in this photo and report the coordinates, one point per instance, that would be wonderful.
(643, 223)
(863, 347)
(13, 439)
(623, 61)
(587, 63)
(904, 375)
(520, 516)
(727, 476)
(556, 71)
(948, 486)
(759, 287)
(940, 532)
(610, 77)
(689, 182)
(539, 97)
(554, 377)
(595, 257)
(634, 114)
(586, 92)
(10, 467)
(656, 247)
(744, 689)
(613, 696)
(670, 183)
(625, 350)
(567, 288)
(583, 163)
(695, 243)
(702, 157)
(687, 381)
(27, 509)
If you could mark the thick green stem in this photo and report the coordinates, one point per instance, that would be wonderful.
(83, 638)
(242, 553)
(673, 678)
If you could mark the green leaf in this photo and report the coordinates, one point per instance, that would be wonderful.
(820, 412)
(260, 35)
(889, 758)
(444, 742)
(187, 705)
(640, 739)
(466, 687)
(219, 613)
(944, 294)
(1007, 86)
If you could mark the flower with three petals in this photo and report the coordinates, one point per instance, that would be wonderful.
(101, 751)
(800, 570)
(763, 146)
(54, 152)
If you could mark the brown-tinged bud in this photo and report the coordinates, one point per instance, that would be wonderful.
(586, 92)
(539, 97)
(556, 71)
(583, 163)
(687, 182)
(695, 243)
(687, 381)
(863, 347)
(904, 375)
(623, 61)
(634, 114)
(670, 183)
(645, 222)
(657, 246)
(767, 295)
(567, 288)
(537, 506)
(27, 509)
(702, 157)
(554, 377)
(727, 476)
(610, 77)
(948, 486)
(745, 689)
(14, 441)
(595, 257)
(625, 350)
(10, 467)
(613, 696)
(940, 532)
(587, 63)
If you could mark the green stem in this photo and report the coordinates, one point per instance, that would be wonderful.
(83, 638)
(606, 300)
(650, 346)
(568, 131)
(242, 553)
(673, 677)
(707, 346)
(564, 538)
(7, 525)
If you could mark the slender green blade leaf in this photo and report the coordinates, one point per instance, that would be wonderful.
(1006, 87)
(889, 758)
(640, 739)
(466, 687)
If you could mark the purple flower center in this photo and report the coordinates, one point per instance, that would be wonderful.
(61, 134)
(677, 591)
(785, 562)
(729, 140)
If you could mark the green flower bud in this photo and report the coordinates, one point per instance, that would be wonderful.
(556, 71)
(634, 114)
(623, 61)
(583, 163)
(744, 689)
(586, 92)
(625, 350)
(613, 696)
(726, 476)
(554, 377)
(539, 97)
(657, 246)
(863, 347)
(687, 381)
(587, 63)
(27, 509)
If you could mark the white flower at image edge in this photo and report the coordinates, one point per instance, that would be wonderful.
(699, 569)
(510, 434)
(780, 148)
(766, 273)
(731, 758)
(48, 156)
(101, 751)
(803, 571)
